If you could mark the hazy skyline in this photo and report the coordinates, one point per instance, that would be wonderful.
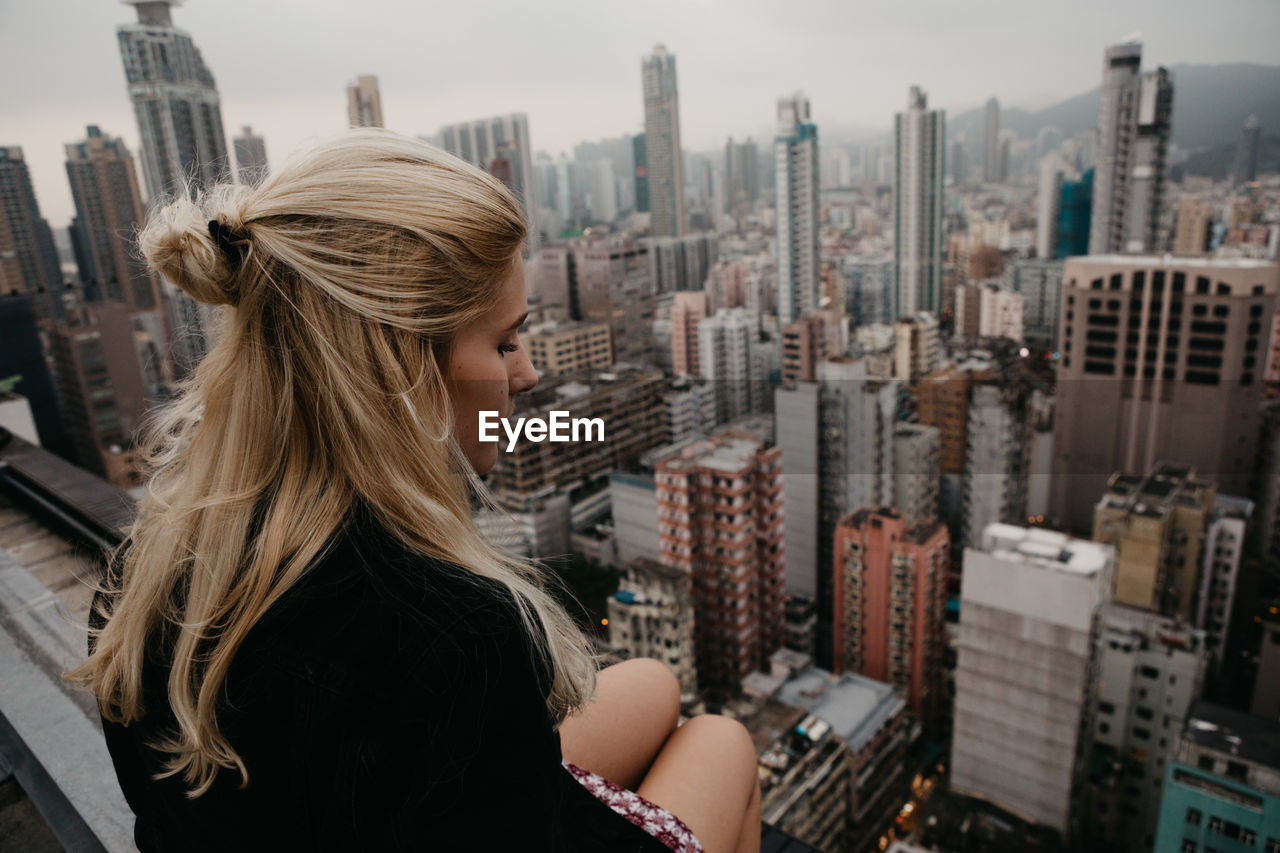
(574, 67)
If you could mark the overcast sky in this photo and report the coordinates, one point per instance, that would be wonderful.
(574, 66)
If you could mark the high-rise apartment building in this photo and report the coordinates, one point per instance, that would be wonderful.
(1247, 152)
(988, 310)
(109, 212)
(838, 779)
(890, 597)
(652, 616)
(1039, 283)
(664, 171)
(627, 401)
(1194, 225)
(991, 144)
(1225, 545)
(720, 522)
(611, 285)
(868, 289)
(1150, 669)
(28, 258)
(500, 145)
(364, 102)
(732, 359)
(919, 152)
(1048, 201)
(1134, 120)
(916, 346)
(688, 309)
(996, 456)
(251, 156)
(796, 168)
(100, 384)
(689, 407)
(681, 263)
(1029, 617)
(176, 103)
(22, 355)
(1162, 358)
(838, 439)
(1157, 525)
(916, 473)
(559, 348)
(807, 342)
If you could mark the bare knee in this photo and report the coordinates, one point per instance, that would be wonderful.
(729, 740)
(659, 684)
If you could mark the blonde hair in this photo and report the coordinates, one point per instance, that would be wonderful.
(361, 259)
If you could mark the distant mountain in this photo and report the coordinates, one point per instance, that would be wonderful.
(1220, 160)
(1210, 104)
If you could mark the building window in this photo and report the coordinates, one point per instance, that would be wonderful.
(1141, 733)
(1236, 770)
(1194, 816)
(1189, 846)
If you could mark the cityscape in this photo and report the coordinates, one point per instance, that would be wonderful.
(944, 457)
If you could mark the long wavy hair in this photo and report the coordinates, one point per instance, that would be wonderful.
(361, 259)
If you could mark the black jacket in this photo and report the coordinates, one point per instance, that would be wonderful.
(386, 702)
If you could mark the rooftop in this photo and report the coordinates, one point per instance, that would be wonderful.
(853, 705)
(1236, 733)
(1045, 548)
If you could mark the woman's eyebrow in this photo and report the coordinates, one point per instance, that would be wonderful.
(518, 323)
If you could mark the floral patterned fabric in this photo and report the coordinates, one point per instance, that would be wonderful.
(652, 818)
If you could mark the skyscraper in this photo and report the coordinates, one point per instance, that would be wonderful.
(991, 149)
(665, 171)
(500, 145)
(920, 149)
(1075, 207)
(796, 164)
(176, 102)
(838, 437)
(742, 169)
(28, 259)
(1134, 119)
(890, 597)
(1168, 354)
(640, 158)
(251, 156)
(109, 210)
(364, 102)
(730, 355)
(1247, 152)
(1048, 201)
(1030, 604)
(720, 522)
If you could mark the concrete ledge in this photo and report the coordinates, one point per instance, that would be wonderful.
(50, 734)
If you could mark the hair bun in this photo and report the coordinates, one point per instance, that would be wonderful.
(178, 243)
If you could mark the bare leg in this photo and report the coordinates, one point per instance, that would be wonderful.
(620, 733)
(703, 772)
(706, 775)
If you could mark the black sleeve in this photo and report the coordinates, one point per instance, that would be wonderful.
(455, 752)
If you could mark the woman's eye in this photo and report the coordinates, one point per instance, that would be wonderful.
(505, 348)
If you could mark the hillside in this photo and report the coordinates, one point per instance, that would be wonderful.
(1210, 104)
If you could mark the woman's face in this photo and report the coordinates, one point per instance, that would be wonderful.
(487, 367)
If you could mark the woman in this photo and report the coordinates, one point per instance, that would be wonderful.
(305, 643)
